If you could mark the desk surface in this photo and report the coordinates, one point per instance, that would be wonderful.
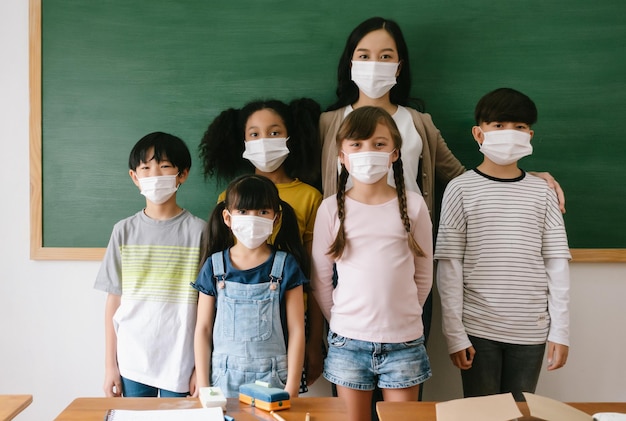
(321, 409)
(425, 411)
(11, 405)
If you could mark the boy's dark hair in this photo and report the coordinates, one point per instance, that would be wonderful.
(253, 192)
(222, 145)
(165, 146)
(347, 91)
(505, 104)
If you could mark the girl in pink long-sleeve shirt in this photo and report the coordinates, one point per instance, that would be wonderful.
(380, 239)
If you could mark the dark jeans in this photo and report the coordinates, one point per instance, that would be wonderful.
(132, 389)
(501, 368)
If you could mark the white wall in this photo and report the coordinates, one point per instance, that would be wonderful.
(51, 319)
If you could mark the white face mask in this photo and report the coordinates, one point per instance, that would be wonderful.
(505, 147)
(368, 167)
(251, 231)
(374, 78)
(158, 189)
(266, 154)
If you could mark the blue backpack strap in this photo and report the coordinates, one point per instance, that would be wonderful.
(217, 259)
(278, 266)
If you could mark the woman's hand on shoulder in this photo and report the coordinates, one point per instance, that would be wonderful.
(553, 184)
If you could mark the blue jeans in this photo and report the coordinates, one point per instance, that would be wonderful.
(501, 368)
(364, 365)
(132, 389)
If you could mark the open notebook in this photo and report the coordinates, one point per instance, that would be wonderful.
(193, 414)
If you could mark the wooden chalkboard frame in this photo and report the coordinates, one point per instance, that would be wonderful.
(39, 252)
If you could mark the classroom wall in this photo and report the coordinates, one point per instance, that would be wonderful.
(51, 319)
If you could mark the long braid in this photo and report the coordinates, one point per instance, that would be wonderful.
(398, 176)
(336, 248)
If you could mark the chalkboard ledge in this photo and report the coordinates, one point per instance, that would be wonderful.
(61, 253)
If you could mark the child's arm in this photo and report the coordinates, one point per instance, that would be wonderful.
(193, 383)
(450, 287)
(315, 341)
(203, 340)
(112, 379)
(294, 303)
(422, 229)
(314, 355)
(321, 262)
(557, 271)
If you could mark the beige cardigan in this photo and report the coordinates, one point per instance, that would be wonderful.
(436, 159)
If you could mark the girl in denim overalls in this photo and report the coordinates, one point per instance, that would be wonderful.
(250, 323)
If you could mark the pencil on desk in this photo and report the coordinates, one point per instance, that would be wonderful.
(276, 416)
(307, 417)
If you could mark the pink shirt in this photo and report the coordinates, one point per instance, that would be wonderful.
(382, 285)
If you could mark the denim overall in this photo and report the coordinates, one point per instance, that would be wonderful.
(248, 341)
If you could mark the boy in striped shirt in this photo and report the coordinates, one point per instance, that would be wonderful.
(502, 259)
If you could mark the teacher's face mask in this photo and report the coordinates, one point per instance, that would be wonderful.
(374, 78)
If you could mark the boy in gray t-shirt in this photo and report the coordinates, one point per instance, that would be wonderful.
(149, 263)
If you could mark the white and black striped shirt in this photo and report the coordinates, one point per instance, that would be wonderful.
(501, 231)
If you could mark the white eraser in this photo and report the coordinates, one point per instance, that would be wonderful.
(211, 397)
(262, 383)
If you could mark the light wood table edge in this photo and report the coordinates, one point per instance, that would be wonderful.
(14, 405)
(425, 411)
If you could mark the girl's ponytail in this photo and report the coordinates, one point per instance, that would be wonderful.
(398, 175)
(221, 147)
(288, 237)
(217, 236)
(304, 145)
(336, 248)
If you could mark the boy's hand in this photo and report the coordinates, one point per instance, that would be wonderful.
(463, 359)
(193, 389)
(557, 355)
(112, 383)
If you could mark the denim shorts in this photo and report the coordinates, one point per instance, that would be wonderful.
(364, 365)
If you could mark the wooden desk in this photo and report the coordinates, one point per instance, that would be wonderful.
(11, 405)
(94, 409)
(425, 411)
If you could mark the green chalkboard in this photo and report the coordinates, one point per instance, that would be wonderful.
(113, 70)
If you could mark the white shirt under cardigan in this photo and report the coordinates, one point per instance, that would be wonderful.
(382, 286)
(502, 270)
